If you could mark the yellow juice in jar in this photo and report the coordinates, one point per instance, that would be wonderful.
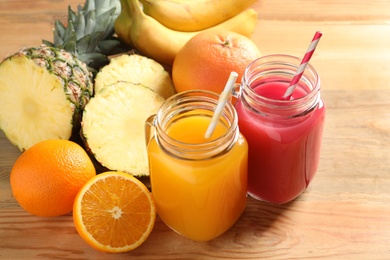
(200, 199)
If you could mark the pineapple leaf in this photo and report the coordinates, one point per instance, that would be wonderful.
(83, 44)
(89, 43)
(70, 46)
(89, 6)
(90, 32)
(47, 43)
(71, 15)
(71, 40)
(69, 32)
(106, 46)
(79, 9)
(94, 60)
(59, 32)
(103, 6)
(90, 22)
(105, 18)
(80, 26)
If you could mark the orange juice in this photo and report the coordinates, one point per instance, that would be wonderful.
(199, 186)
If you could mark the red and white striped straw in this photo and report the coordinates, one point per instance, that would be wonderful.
(303, 65)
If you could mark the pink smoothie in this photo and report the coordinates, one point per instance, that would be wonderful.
(283, 156)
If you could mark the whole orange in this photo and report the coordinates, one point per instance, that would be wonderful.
(207, 59)
(47, 176)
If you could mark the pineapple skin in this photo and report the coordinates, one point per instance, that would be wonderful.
(72, 74)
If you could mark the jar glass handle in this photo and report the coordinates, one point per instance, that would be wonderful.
(149, 128)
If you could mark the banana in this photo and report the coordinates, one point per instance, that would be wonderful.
(193, 15)
(162, 44)
(123, 23)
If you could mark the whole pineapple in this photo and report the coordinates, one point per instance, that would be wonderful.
(43, 91)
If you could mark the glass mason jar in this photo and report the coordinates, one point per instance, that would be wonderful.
(284, 135)
(199, 185)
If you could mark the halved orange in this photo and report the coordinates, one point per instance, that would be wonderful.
(114, 212)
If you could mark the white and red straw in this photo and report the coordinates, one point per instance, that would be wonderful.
(303, 65)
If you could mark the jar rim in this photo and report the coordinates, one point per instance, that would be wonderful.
(279, 68)
(292, 62)
(182, 103)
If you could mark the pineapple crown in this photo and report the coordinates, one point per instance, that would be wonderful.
(89, 32)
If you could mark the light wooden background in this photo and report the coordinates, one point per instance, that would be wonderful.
(345, 213)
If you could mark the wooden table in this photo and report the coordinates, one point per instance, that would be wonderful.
(344, 214)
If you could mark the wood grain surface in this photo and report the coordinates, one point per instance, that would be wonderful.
(344, 214)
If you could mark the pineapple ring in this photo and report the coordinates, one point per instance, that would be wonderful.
(136, 69)
(113, 126)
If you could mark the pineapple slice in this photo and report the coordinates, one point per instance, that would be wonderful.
(138, 70)
(42, 93)
(113, 126)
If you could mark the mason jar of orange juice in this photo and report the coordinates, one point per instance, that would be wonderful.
(199, 185)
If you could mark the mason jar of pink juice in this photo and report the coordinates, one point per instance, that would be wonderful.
(199, 184)
(284, 135)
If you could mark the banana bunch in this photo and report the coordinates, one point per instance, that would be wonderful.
(160, 28)
(194, 15)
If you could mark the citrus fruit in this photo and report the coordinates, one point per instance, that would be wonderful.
(207, 59)
(47, 176)
(114, 212)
